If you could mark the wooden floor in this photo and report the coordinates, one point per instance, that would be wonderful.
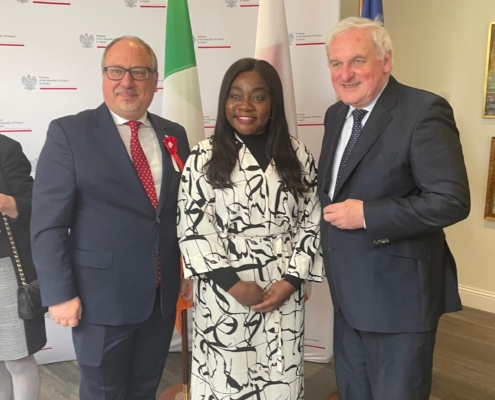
(464, 367)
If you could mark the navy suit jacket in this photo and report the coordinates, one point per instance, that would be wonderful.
(94, 231)
(397, 275)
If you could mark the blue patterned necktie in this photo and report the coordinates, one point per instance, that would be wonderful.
(358, 115)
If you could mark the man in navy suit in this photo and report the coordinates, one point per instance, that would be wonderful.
(391, 177)
(104, 229)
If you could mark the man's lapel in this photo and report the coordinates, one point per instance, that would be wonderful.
(107, 134)
(375, 125)
(333, 130)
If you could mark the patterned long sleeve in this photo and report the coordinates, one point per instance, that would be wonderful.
(307, 259)
(202, 247)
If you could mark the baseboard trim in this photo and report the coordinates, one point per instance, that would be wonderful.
(477, 298)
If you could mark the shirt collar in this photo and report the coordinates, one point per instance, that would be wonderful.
(118, 120)
(370, 106)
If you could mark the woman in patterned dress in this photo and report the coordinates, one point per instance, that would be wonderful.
(249, 233)
(19, 339)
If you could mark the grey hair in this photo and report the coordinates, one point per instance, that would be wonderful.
(380, 35)
(149, 50)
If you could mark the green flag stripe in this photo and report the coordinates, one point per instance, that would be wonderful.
(179, 47)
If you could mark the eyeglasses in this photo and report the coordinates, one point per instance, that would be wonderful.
(137, 73)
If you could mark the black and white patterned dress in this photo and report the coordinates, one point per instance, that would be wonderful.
(264, 232)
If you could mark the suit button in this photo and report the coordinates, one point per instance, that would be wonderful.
(157, 220)
(154, 257)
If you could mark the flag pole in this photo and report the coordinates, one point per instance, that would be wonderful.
(185, 356)
(181, 391)
(360, 7)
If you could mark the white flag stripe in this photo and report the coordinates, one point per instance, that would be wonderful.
(182, 103)
(272, 45)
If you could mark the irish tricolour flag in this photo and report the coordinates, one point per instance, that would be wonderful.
(181, 95)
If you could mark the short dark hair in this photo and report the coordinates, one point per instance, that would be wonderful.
(279, 145)
(147, 47)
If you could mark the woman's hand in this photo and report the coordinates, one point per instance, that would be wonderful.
(186, 289)
(8, 206)
(247, 293)
(277, 295)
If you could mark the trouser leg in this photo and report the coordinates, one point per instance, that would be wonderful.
(350, 363)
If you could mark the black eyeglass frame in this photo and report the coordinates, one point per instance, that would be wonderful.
(105, 69)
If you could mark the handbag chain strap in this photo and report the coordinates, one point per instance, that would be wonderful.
(14, 250)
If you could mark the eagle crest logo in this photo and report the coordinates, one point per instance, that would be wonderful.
(291, 38)
(87, 40)
(231, 3)
(29, 82)
(130, 3)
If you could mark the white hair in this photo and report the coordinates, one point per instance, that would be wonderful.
(380, 35)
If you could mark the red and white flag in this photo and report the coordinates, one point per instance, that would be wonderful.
(272, 45)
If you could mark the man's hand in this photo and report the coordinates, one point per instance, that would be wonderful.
(67, 313)
(8, 206)
(186, 289)
(346, 215)
(247, 293)
(277, 295)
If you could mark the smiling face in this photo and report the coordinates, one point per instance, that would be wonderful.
(129, 98)
(249, 103)
(357, 74)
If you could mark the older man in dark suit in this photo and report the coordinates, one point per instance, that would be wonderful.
(391, 177)
(104, 229)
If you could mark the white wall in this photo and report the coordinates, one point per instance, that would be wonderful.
(440, 45)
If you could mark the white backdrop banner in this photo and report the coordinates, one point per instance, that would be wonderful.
(51, 53)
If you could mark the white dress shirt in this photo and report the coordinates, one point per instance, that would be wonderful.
(345, 136)
(149, 143)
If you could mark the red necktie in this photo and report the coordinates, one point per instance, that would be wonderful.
(144, 172)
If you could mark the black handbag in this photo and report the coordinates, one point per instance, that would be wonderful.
(28, 295)
(29, 301)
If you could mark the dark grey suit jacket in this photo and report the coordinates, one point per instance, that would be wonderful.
(94, 231)
(398, 274)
